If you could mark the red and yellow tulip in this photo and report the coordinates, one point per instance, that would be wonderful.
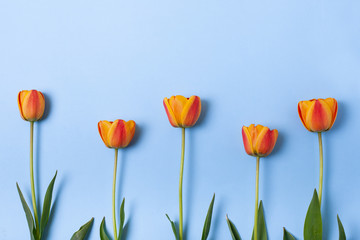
(31, 105)
(117, 134)
(182, 112)
(259, 141)
(318, 115)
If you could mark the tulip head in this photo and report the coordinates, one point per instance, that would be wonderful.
(318, 115)
(259, 141)
(31, 105)
(182, 112)
(117, 134)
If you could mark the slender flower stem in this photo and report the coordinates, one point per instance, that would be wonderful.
(32, 173)
(113, 194)
(256, 199)
(180, 185)
(321, 167)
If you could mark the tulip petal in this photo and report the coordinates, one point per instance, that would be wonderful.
(41, 105)
(265, 142)
(130, 131)
(247, 139)
(254, 132)
(191, 111)
(303, 107)
(319, 116)
(258, 129)
(251, 130)
(170, 113)
(177, 104)
(116, 133)
(332, 103)
(262, 141)
(33, 104)
(20, 98)
(103, 127)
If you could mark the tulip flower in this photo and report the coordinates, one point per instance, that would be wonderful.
(182, 112)
(318, 115)
(117, 134)
(31, 105)
(259, 141)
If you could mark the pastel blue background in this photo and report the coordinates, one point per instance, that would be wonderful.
(249, 61)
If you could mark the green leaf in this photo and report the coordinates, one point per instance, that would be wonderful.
(313, 222)
(234, 232)
(81, 233)
(262, 234)
(28, 214)
(122, 218)
(342, 235)
(173, 227)
(103, 235)
(287, 235)
(207, 223)
(46, 206)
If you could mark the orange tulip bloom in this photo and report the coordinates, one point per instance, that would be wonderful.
(31, 105)
(182, 112)
(259, 141)
(318, 115)
(117, 134)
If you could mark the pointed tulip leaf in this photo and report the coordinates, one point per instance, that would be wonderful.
(313, 222)
(207, 224)
(342, 235)
(262, 234)
(28, 214)
(287, 235)
(122, 218)
(173, 227)
(46, 206)
(81, 233)
(103, 235)
(233, 231)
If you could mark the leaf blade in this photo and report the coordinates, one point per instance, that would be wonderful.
(262, 233)
(103, 235)
(122, 218)
(342, 235)
(288, 236)
(83, 230)
(173, 227)
(207, 223)
(47, 204)
(28, 214)
(313, 221)
(233, 231)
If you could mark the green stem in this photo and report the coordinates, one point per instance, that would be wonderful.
(180, 185)
(113, 194)
(32, 174)
(321, 167)
(256, 199)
